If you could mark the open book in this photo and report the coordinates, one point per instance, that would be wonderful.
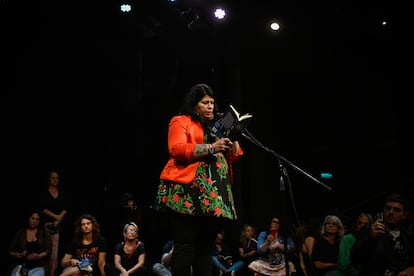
(226, 261)
(225, 258)
(230, 123)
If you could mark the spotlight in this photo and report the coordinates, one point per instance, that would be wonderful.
(219, 13)
(125, 8)
(274, 26)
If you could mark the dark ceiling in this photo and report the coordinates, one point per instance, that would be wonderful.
(90, 91)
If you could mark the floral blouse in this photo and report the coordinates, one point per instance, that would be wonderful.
(209, 194)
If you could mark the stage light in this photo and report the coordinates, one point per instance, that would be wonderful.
(219, 13)
(125, 8)
(274, 26)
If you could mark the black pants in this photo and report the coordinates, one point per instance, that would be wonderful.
(193, 244)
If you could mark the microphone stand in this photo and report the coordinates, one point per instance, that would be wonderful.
(283, 174)
(246, 134)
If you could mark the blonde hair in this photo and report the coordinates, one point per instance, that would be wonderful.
(130, 223)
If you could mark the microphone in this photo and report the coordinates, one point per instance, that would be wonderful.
(219, 114)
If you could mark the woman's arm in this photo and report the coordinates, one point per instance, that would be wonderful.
(36, 256)
(235, 147)
(102, 262)
(68, 261)
(140, 263)
(186, 139)
(309, 243)
(117, 263)
(263, 242)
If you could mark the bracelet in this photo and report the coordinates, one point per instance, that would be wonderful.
(211, 149)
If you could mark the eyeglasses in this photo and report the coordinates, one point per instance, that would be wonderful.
(275, 221)
(131, 231)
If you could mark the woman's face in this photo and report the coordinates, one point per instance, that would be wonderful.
(275, 223)
(205, 108)
(331, 227)
(34, 220)
(131, 232)
(249, 232)
(86, 226)
(54, 179)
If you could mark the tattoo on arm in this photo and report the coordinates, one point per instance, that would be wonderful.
(200, 150)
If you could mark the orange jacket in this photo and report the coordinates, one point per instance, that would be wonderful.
(183, 135)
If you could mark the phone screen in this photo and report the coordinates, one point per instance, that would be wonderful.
(379, 216)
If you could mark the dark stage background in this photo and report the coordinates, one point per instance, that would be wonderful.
(90, 93)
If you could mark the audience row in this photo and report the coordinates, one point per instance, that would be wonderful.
(326, 246)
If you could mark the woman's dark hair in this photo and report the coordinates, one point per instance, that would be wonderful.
(32, 211)
(196, 93)
(96, 228)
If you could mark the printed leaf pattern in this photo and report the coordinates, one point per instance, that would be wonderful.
(209, 194)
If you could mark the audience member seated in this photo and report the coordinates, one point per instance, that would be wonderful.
(388, 247)
(223, 259)
(248, 247)
(31, 247)
(129, 255)
(163, 268)
(86, 253)
(271, 249)
(345, 267)
(304, 238)
(326, 248)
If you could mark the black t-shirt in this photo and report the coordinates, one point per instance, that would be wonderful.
(90, 251)
(129, 260)
(56, 205)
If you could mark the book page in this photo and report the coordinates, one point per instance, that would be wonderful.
(231, 121)
(237, 114)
